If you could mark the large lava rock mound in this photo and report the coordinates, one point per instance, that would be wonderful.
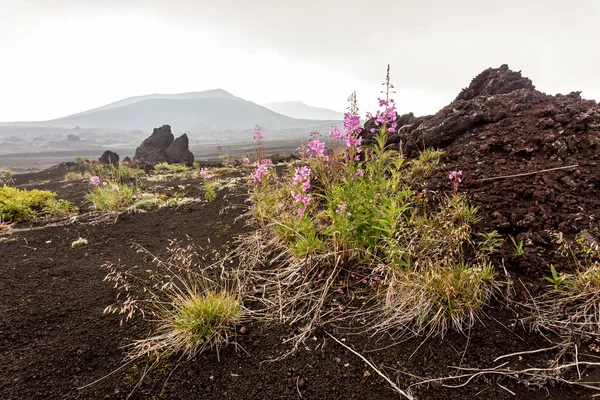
(501, 132)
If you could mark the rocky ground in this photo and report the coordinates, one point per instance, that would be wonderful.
(56, 342)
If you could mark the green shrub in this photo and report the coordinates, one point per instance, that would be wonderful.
(22, 205)
(361, 212)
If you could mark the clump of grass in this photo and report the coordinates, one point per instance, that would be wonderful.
(164, 166)
(210, 186)
(194, 310)
(107, 196)
(74, 176)
(80, 242)
(570, 307)
(194, 320)
(438, 297)
(146, 201)
(23, 205)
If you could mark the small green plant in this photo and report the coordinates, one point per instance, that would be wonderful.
(146, 201)
(210, 187)
(491, 242)
(224, 159)
(518, 247)
(164, 166)
(6, 176)
(176, 200)
(79, 242)
(78, 160)
(74, 176)
(196, 166)
(558, 281)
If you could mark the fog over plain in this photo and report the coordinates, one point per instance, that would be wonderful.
(66, 56)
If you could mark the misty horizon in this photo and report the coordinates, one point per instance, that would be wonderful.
(67, 57)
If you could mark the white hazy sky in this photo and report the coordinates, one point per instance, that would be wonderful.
(59, 57)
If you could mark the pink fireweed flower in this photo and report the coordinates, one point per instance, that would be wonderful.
(305, 186)
(262, 170)
(351, 123)
(105, 184)
(359, 172)
(340, 291)
(316, 149)
(257, 134)
(341, 308)
(299, 198)
(341, 207)
(454, 177)
(85, 162)
(336, 133)
(95, 180)
(301, 174)
(246, 160)
(353, 142)
(205, 174)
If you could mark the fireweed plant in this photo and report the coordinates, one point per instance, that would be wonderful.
(348, 222)
(209, 186)
(109, 196)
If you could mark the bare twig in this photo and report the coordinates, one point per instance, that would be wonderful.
(527, 173)
(392, 384)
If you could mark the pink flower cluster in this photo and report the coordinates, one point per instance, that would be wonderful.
(341, 208)
(301, 198)
(316, 149)
(351, 123)
(387, 116)
(95, 180)
(257, 134)
(262, 170)
(454, 177)
(205, 174)
(246, 160)
(302, 176)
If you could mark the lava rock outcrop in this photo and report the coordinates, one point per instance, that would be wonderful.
(162, 146)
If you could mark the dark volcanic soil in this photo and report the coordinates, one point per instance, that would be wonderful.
(55, 340)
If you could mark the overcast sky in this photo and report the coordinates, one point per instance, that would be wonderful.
(59, 57)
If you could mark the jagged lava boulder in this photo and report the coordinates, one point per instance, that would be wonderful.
(178, 152)
(109, 158)
(161, 146)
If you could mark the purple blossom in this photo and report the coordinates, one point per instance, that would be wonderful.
(205, 174)
(455, 176)
(299, 198)
(257, 134)
(336, 133)
(262, 170)
(95, 180)
(246, 160)
(341, 307)
(341, 207)
(301, 174)
(316, 149)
